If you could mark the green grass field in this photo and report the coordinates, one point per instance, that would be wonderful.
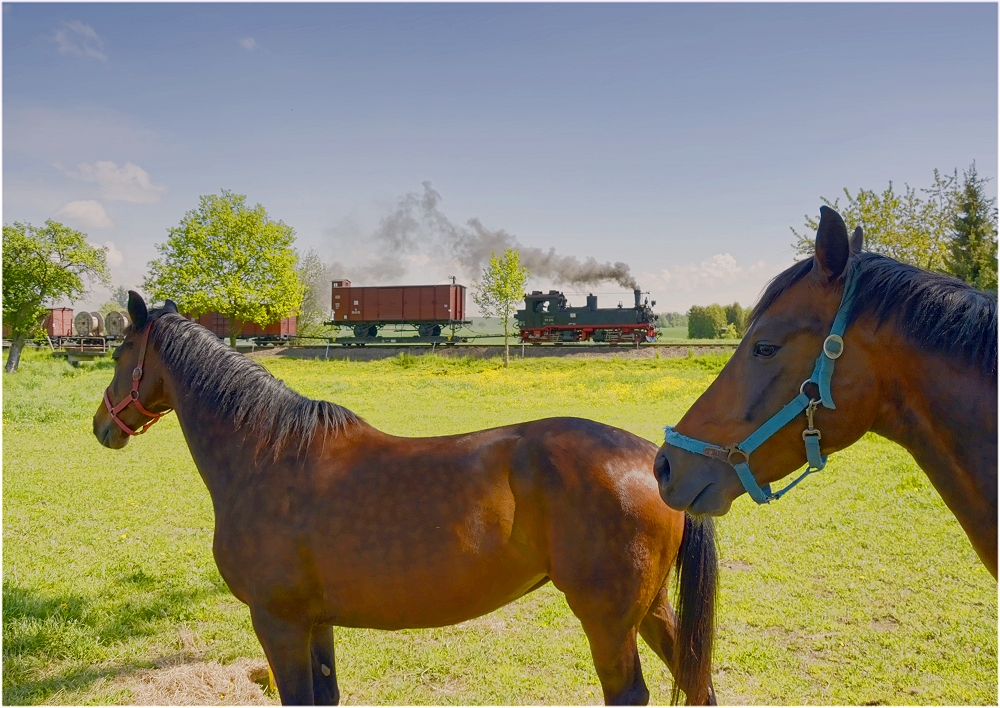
(859, 588)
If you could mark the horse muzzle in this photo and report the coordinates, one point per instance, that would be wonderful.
(693, 483)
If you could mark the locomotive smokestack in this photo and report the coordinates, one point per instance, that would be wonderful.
(638, 298)
(592, 302)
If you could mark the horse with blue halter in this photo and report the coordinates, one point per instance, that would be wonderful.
(321, 520)
(840, 344)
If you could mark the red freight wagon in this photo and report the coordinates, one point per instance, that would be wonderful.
(426, 307)
(219, 325)
(59, 322)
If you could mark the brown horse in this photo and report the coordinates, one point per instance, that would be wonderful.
(322, 520)
(917, 364)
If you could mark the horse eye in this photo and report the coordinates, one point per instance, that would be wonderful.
(765, 351)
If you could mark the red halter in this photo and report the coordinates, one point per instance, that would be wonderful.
(134, 396)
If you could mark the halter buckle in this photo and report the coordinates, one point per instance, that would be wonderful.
(833, 346)
(137, 373)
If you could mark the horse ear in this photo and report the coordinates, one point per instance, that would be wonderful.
(169, 305)
(858, 240)
(832, 246)
(136, 310)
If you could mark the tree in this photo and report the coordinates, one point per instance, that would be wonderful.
(902, 226)
(229, 258)
(315, 279)
(671, 319)
(706, 322)
(973, 251)
(117, 303)
(736, 318)
(40, 267)
(500, 290)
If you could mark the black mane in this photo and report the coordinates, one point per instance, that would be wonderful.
(236, 386)
(935, 311)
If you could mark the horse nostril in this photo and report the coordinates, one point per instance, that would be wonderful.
(661, 468)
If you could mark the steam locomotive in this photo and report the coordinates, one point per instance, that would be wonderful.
(547, 317)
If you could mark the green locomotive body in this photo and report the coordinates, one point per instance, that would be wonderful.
(547, 317)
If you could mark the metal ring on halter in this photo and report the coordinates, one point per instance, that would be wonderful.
(814, 431)
(735, 450)
(802, 388)
(837, 349)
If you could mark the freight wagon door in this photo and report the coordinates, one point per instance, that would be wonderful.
(390, 304)
(428, 312)
(411, 303)
(442, 303)
(369, 304)
(354, 298)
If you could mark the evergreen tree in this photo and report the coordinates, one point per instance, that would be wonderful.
(973, 247)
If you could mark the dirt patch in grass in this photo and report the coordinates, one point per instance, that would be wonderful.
(199, 684)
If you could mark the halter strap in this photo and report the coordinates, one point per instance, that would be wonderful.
(133, 397)
(821, 376)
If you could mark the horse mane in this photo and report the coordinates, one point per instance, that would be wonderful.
(236, 386)
(934, 311)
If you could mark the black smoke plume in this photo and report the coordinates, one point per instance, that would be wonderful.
(418, 225)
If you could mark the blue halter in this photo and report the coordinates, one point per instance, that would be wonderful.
(821, 376)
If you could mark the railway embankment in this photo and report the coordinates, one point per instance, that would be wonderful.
(584, 351)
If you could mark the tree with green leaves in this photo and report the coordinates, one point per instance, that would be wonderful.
(902, 226)
(500, 291)
(315, 279)
(230, 258)
(671, 319)
(40, 267)
(736, 319)
(706, 322)
(973, 251)
(117, 303)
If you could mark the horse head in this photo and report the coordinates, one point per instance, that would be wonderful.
(789, 327)
(136, 397)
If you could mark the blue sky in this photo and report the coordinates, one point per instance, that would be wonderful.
(682, 139)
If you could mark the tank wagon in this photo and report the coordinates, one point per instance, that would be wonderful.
(428, 309)
(548, 317)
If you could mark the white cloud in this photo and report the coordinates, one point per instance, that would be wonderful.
(248, 43)
(111, 253)
(720, 269)
(88, 213)
(80, 39)
(718, 279)
(115, 257)
(129, 183)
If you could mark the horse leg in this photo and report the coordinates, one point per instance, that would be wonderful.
(659, 630)
(286, 646)
(324, 671)
(616, 658)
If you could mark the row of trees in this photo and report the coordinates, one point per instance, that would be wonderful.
(950, 227)
(717, 321)
(225, 256)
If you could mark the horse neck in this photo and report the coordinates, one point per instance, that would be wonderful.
(944, 412)
(220, 452)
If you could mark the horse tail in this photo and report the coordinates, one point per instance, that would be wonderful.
(697, 572)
